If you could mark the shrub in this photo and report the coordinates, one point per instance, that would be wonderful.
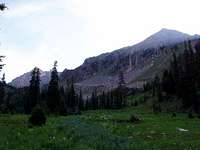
(38, 117)
(190, 115)
(157, 108)
(4, 109)
(136, 103)
(134, 118)
(173, 115)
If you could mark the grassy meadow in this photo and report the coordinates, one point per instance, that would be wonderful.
(102, 130)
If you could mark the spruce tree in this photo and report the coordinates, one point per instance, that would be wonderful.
(86, 106)
(188, 85)
(80, 101)
(193, 77)
(157, 88)
(102, 102)
(2, 81)
(107, 100)
(119, 93)
(63, 102)
(3, 7)
(2, 89)
(197, 48)
(34, 91)
(168, 84)
(72, 97)
(53, 100)
(94, 100)
(1, 65)
(175, 73)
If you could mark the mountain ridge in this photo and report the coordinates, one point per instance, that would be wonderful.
(100, 72)
(24, 80)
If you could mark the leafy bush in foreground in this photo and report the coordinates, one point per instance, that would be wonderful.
(38, 117)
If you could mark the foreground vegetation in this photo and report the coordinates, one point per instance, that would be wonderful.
(102, 129)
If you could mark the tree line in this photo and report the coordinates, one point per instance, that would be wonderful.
(59, 100)
(181, 79)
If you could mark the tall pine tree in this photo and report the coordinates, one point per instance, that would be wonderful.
(3, 6)
(197, 48)
(53, 100)
(157, 88)
(80, 101)
(72, 97)
(2, 82)
(168, 84)
(175, 72)
(2, 89)
(34, 91)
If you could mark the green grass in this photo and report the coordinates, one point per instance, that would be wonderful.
(102, 130)
(137, 97)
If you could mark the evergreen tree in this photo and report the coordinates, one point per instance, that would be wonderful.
(53, 101)
(157, 88)
(188, 85)
(197, 48)
(3, 7)
(34, 91)
(1, 65)
(80, 101)
(118, 98)
(168, 84)
(2, 82)
(2, 89)
(102, 100)
(120, 92)
(193, 77)
(111, 101)
(72, 97)
(108, 100)
(94, 100)
(175, 72)
(86, 104)
(63, 102)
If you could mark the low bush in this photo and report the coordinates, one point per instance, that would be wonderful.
(173, 114)
(37, 117)
(134, 118)
(190, 115)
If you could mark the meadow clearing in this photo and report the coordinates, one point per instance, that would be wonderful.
(102, 130)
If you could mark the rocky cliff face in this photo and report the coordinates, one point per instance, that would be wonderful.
(139, 63)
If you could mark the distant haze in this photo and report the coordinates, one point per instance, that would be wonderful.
(37, 32)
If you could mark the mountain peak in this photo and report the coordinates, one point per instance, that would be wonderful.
(164, 37)
(172, 32)
(166, 29)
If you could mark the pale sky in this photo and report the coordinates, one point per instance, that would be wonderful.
(37, 32)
